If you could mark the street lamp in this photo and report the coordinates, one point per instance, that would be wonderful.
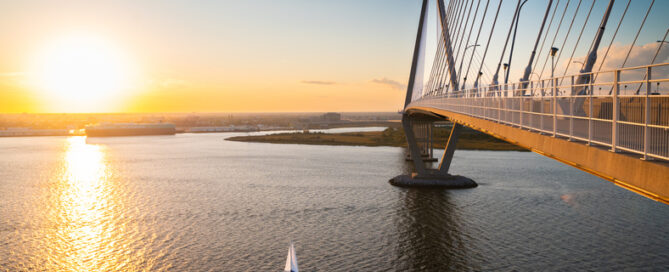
(553, 52)
(513, 42)
(463, 60)
(468, 46)
(476, 83)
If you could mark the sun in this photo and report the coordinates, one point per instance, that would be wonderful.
(81, 73)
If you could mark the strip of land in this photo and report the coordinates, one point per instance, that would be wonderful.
(469, 139)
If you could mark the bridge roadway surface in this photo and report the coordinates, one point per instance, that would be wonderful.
(649, 178)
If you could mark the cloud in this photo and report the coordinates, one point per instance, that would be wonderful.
(389, 82)
(639, 56)
(319, 82)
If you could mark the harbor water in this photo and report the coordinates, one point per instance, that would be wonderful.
(195, 202)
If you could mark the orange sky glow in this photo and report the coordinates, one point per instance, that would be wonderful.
(123, 56)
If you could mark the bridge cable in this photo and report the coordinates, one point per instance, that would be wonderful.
(578, 40)
(612, 39)
(513, 43)
(458, 23)
(437, 77)
(659, 46)
(448, 9)
(440, 75)
(460, 41)
(615, 33)
(486, 70)
(451, 17)
(541, 48)
(637, 33)
(501, 58)
(494, 22)
(439, 55)
(442, 59)
(528, 69)
(464, 53)
(543, 67)
(567, 35)
(643, 22)
(437, 59)
(476, 42)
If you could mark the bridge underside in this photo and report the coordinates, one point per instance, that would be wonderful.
(648, 178)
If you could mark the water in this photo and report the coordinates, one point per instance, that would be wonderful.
(194, 202)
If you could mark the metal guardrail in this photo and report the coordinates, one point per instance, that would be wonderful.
(633, 119)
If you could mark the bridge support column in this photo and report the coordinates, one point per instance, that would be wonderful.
(425, 177)
(446, 159)
(414, 149)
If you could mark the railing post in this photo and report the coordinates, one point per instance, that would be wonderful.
(499, 104)
(541, 109)
(520, 111)
(614, 118)
(554, 83)
(571, 110)
(646, 135)
(590, 129)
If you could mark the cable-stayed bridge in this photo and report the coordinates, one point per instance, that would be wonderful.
(606, 112)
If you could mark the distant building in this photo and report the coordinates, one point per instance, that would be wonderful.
(20, 131)
(331, 117)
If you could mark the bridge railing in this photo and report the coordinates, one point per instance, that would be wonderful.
(623, 109)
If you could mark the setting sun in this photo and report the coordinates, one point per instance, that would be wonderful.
(81, 71)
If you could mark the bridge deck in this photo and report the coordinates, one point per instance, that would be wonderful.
(646, 177)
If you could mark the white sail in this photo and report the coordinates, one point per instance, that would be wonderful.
(291, 260)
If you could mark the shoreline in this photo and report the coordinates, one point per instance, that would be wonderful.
(468, 140)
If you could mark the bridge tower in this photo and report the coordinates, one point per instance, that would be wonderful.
(422, 124)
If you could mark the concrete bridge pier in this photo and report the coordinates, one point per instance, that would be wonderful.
(424, 176)
(422, 130)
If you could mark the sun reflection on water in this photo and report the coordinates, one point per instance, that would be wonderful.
(84, 201)
(86, 220)
(82, 208)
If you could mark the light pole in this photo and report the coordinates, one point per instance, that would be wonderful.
(476, 83)
(513, 42)
(506, 67)
(462, 61)
(553, 52)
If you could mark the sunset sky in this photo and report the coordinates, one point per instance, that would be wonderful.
(237, 56)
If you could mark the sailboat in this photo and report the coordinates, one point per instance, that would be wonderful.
(291, 260)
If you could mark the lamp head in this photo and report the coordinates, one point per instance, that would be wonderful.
(554, 51)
